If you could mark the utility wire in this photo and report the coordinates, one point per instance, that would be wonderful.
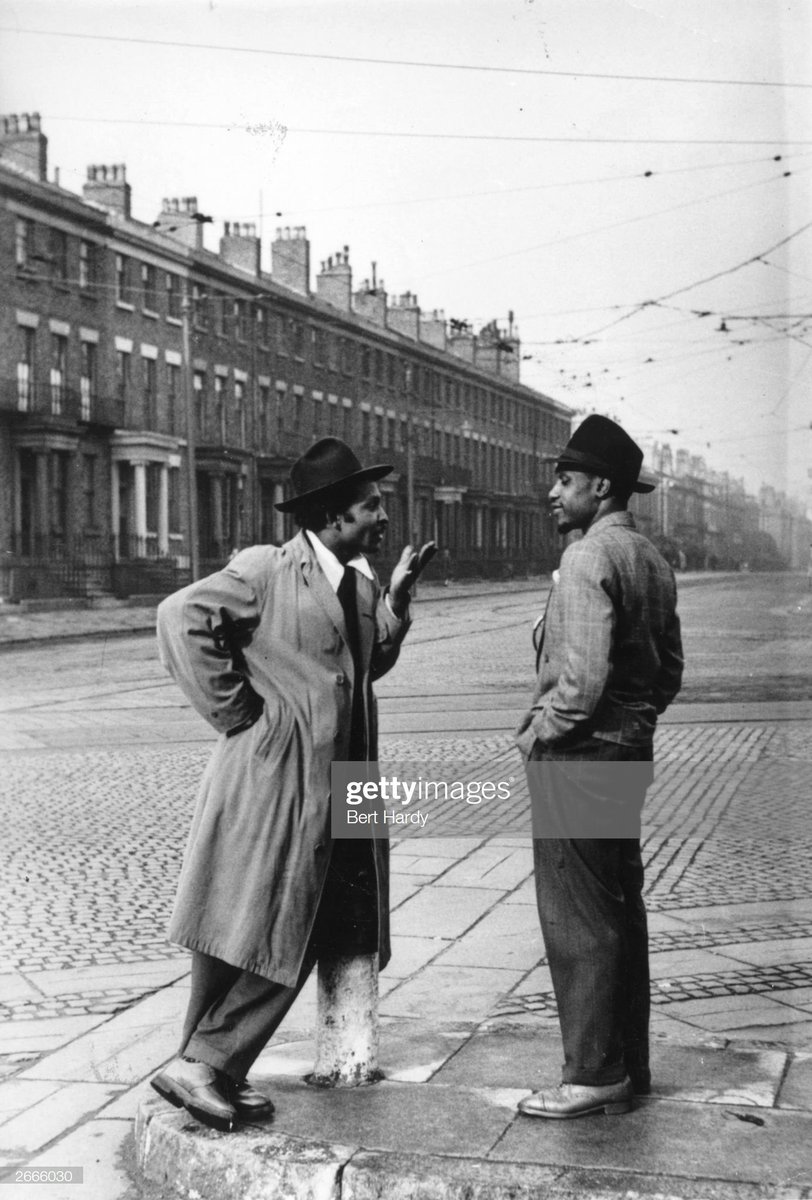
(660, 212)
(234, 127)
(638, 308)
(563, 183)
(404, 62)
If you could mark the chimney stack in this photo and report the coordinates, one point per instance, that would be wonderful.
(433, 330)
(23, 144)
(334, 281)
(181, 219)
(108, 187)
(370, 300)
(461, 340)
(290, 259)
(404, 316)
(240, 247)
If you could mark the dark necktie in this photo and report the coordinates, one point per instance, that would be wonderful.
(349, 603)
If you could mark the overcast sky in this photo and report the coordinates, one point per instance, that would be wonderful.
(536, 180)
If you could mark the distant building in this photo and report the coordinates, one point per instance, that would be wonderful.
(705, 519)
(148, 386)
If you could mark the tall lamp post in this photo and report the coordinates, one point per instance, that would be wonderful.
(410, 514)
(191, 433)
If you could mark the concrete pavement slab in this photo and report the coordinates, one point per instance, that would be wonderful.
(14, 986)
(53, 1115)
(735, 1013)
(127, 1103)
(407, 1117)
(410, 954)
(795, 1034)
(721, 917)
(437, 992)
(443, 912)
(518, 1059)
(691, 1140)
(18, 1094)
(798, 998)
(401, 887)
(34, 1037)
(532, 1058)
(503, 938)
(100, 1147)
(125, 1048)
(796, 1088)
(537, 980)
(790, 951)
(499, 867)
(524, 894)
(452, 848)
(421, 866)
(666, 963)
(155, 974)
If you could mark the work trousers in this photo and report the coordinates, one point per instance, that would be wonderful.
(593, 920)
(233, 1013)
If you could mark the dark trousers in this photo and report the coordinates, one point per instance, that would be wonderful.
(594, 924)
(593, 919)
(233, 1013)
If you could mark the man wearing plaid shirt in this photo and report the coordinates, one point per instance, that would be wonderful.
(609, 661)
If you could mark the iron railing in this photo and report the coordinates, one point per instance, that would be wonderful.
(44, 400)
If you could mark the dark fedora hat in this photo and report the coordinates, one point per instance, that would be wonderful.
(601, 447)
(325, 466)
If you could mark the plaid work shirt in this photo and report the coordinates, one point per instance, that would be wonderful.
(611, 656)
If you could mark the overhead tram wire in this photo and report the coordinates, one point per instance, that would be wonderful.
(644, 304)
(236, 127)
(605, 229)
(563, 183)
(541, 72)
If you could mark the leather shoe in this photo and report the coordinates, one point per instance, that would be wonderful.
(196, 1087)
(570, 1100)
(248, 1101)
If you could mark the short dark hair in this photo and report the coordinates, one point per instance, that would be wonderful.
(315, 515)
(622, 492)
(618, 490)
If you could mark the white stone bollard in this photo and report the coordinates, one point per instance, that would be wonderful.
(347, 1035)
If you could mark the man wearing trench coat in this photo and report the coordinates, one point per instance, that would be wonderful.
(268, 654)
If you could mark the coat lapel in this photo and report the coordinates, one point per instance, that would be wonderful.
(315, 580)
(365, 593)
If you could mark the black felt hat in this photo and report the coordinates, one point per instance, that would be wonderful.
(601, 447)
(325, 466)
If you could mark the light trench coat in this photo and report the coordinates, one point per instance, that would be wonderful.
(270, 628)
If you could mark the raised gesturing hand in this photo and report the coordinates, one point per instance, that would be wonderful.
(406, 573)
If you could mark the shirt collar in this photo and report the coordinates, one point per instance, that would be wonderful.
(623, 517)
(330, 565)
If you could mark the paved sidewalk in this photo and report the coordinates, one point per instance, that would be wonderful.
(469, 1027)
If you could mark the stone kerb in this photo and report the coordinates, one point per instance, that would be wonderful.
(181, 1160)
